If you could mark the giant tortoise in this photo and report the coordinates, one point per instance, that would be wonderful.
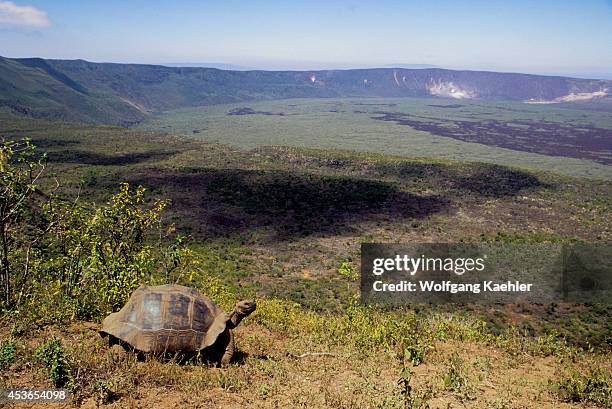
(172, 319)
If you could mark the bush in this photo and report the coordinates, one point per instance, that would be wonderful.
(415, 352)
(7, 353)
(348, 270)
(73, 259)
(51, 355)
(20, 171)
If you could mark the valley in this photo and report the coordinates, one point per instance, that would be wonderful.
(570, 141)
(266, 184)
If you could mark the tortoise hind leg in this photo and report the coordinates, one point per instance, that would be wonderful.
(230, 348)
(116, 345)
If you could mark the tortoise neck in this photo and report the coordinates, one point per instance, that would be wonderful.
(234, 319)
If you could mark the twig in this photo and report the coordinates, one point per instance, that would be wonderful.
(306, 354)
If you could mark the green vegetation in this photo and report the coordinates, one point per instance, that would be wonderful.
(456, 380)
(348, 270)
(591, 384)
(194, 224)
(349, 124)
(52, 356)
(83, 258)
(7, 353)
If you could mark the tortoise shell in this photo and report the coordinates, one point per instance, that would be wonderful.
(167, 318)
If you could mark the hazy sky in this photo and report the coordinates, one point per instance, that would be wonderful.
(529, 36)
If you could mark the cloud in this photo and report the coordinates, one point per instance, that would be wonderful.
(12, 14)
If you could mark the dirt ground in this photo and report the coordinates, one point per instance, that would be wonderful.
(276, 370)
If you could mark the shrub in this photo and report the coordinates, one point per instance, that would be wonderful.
(348, 270)
(51, 355)
(20, 171)
(415, 352)
(74, 259)
(103, 254)
(7, 353)
(104, 392)
(456, 379)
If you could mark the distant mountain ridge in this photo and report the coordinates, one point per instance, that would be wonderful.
(220, 66)
(78, 90)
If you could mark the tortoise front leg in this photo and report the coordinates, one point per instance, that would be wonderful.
(230, 348)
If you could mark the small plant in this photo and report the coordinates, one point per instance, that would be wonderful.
(456, 379)
(348, 270)
(7, 353)
(405, 388)
(264, 390)
(497, 402)
(51, 355)
(410, 399)
(104, 392)
(415, 353)
(223, 381)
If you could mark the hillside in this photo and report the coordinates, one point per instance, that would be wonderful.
(77, 90)
(37, 90)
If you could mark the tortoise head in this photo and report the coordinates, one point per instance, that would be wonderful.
(241, 310)
(245, 307)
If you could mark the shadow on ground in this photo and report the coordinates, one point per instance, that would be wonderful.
(481, 179)
(92, 158)
(229, 201)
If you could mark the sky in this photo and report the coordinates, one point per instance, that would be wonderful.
(567, 37)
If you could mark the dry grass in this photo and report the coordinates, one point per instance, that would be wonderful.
(462, 367)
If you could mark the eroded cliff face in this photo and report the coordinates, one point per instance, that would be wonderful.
(572, 97)
(449, 89)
